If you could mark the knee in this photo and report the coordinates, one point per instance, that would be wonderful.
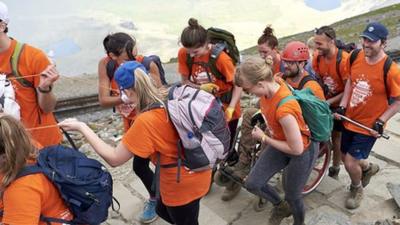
(251, 185)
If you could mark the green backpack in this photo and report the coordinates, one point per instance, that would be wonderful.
(316, 113)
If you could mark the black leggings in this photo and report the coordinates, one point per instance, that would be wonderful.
(143, 171)
(232, 128)
(180, 215)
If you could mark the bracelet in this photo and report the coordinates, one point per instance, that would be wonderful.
(45, 91)
(264, 137)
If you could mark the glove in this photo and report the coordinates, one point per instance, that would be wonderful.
(229, 113)
(339, 110)
(378, 126)
(257, 118)
(210, 88)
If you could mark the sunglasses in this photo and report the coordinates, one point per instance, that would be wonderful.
(320, 31)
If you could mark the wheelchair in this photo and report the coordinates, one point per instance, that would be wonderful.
(223, 177)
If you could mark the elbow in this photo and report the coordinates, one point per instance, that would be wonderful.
(298, 150)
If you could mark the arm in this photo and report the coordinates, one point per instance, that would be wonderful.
(335, 99)
(293, 144)
(346, 94)
(393, 109)
(113, 156)
(155, 74)
(105, 99)
(236, 94)
(46, 99)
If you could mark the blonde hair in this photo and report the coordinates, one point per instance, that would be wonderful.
(16, 149)
(146, 91)
(311, 43)
(254, 69)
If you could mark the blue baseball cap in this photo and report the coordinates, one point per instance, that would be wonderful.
(124, 75)
(375, 31)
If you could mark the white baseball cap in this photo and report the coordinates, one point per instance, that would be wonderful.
(4, 13)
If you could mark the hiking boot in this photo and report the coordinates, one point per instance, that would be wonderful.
(367, 174)
(334, 172)
(279, 212)
(149, 211)
(241, 170)
(231, 191)
(355, 197)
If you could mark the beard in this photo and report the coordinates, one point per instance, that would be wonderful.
(323, 51)
(370, 52)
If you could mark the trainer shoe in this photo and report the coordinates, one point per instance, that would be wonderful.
(334, 172)
(149, 212)
(279, 212)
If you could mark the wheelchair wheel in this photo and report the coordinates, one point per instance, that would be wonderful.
(259, 204)
(319, 170)
(321, 165)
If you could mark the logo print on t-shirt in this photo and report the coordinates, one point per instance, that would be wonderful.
(361, 90)
(201, 76)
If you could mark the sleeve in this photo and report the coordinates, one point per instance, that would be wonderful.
(343, 69)
(315, 62)
(393, 80)
(139, 139)
(22, 205)
(316, 89)
(288, 108)
(225, 66)
(183, 68)
(39, 62)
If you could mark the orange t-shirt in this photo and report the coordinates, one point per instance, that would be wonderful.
(273, 113)
(32, 62)
(368, 99)
(277, 67)
(312, 84)
(28, 197)
(326, 69)
(200, 73)
(153, 133)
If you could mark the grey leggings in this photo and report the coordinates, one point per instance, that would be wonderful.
(297, 170)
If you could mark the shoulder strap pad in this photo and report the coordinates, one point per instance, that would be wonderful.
(386, 68)
(28, 170)
(215, 53)
(338, 61)
(303, 81)
(353, 56)
(14, 61)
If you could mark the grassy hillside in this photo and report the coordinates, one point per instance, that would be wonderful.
(350, 29)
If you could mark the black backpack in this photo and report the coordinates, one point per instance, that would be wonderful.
(386, 68)
(112, 66)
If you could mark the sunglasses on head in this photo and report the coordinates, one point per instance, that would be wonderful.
(320, 31)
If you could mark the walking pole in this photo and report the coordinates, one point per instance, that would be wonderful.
(362, 126)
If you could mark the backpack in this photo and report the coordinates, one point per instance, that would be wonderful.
(112, 66)
(222, 40)
(199, 120)
(316, 113)
(346, 47)
(386, 68)
(85, 184)
(8, 103)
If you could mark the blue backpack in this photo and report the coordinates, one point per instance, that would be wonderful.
(84, 184)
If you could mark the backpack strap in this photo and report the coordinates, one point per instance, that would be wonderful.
(28, 170)
(386, 68)
(216, 51)
(110, 68)
(339, 57)
(189, 63)
(285, 99)
(353, 56)
(14, 61)
(303, 81)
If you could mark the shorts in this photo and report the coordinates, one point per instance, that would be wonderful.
(338, 125)
(357, 145)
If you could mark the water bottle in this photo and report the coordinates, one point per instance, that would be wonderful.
(193, 142)
(50, 56)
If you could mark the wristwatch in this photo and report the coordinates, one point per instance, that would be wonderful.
(45, 91)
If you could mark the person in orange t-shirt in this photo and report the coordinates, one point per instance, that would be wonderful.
(267, 46)
(35, 97)
(289, 146)
(365, 100)
(333, 75)
(294, 58)
(121, 47)
(152, 134)
(197, 46)
(25, 199)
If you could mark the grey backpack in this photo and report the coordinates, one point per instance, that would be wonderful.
(199, 120)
